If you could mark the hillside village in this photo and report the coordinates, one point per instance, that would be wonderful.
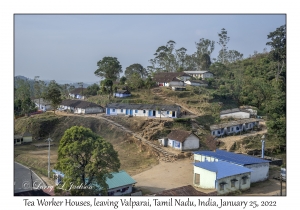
(224, 129)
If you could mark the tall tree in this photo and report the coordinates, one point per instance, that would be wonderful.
(165, 58)
(278, 52)
(202, 56)
(109, 68)
(180, 58)
(136, 68)
(53, 94)
(223, 40)
(86, 159)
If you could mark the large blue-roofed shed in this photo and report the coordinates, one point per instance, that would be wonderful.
(223, 176)
(259, 166)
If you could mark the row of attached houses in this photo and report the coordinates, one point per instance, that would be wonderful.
(233, 127)
(179, 79)
(143, 110)
(121, 182)
(180, 140)
(80, 107)
(200, 74)
(227, 172)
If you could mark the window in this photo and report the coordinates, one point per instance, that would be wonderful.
(231, 129)
(113, 110)
(158, 112)
(233, 182)
(136, 111)
(244, 179)
(167, 112)
(197, 179)
(213, 133)
(144, 111)
(237, 128)
(121, 110)
(222, 186)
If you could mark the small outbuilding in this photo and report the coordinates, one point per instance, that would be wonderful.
(18, 139)
(183, 140)
(27, 137)
(122, 93)
(42, 104)
(223, 176)
(198, 83)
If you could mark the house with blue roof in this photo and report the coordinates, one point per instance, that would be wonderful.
(223, 176)
(259, 166)
(121, 182)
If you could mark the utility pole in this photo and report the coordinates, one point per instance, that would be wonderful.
(49, 140)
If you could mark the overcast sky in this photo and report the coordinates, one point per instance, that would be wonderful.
(67, 47)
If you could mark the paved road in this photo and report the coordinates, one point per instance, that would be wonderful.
(25, 179)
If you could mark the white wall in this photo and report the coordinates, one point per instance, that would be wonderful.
(120, 188)
(260, 172)
(238, 184)
(191, 142)
(207, 178)
(203, 158)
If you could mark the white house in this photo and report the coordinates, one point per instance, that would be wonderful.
(203, 83)
(27, 137)
(259, 166)
(235, 113)
(200, 74)
(42, 104)
(233, 127)
(80, 107)
(171, 78)
(77, 93)
(121, 182)
(223, 176)
(18, 139)
(143, 110)
(182, 140)
(122, 93)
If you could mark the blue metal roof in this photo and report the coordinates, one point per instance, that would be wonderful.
(223, 168)
(232, 157)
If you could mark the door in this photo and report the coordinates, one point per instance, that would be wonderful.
(108, 110)
(154, 113)
(131, 112)
(173, 114)
(127, 111)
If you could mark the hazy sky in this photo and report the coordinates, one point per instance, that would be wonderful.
(67, 47)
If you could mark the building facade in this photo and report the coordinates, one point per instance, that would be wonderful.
(259, 167)
(143, 110)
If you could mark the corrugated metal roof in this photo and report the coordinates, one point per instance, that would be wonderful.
(120, 178)
(227, 111)
(233, 123)
(143, 106)
(232, 157)
(223, 168)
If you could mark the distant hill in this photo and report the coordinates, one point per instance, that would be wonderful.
(60, 82)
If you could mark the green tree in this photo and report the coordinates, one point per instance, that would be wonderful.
(53, 95)
(92, 90)
(123, 80)
(278, 52)
(223, 40)
(136, 68)
(86, 159)
(109, 68)
(204, 49)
